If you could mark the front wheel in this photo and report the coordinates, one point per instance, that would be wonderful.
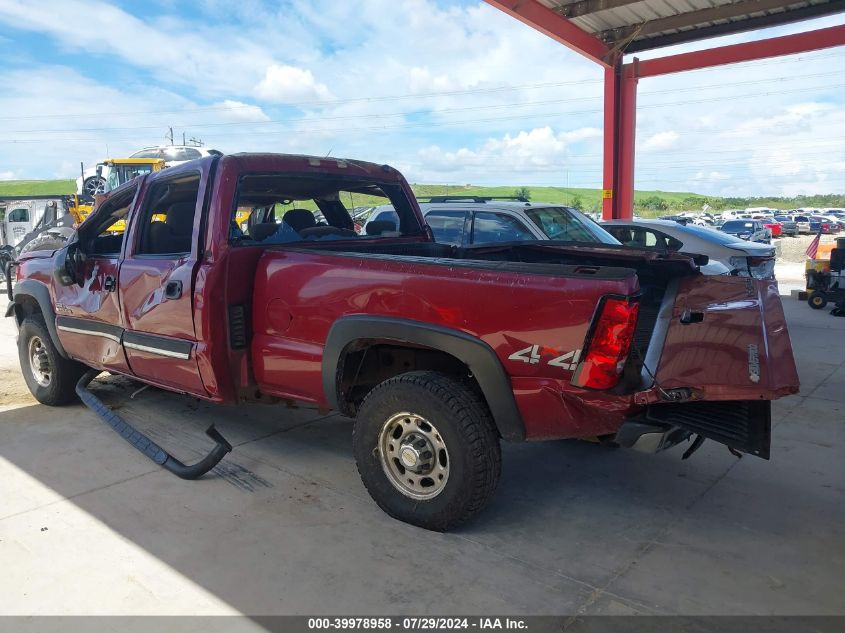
(427, 450)
(51, 379)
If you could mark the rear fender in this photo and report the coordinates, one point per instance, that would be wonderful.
(474, 353)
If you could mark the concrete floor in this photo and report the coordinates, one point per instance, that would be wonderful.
(88, 525)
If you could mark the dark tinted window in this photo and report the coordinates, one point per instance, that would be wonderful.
(641, 237)
(562, 223)
(447, 226)
(386, 216)
(498, 227)
(738, 225)
(183, 153)
(148, 153)
(19, 215)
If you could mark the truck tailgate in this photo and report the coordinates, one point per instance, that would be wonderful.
(727, 340)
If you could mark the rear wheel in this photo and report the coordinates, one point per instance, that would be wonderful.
(817, 300)
(51, 379)
(427, 450)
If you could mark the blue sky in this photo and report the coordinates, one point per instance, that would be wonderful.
(448, 92)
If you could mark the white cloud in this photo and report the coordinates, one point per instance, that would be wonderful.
(227, 71)
(660, 141)
(288, 84)
(537, 151)
(231, 110)
(712, 176)
(7, 175)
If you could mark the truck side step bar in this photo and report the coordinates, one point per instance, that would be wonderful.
(145, 444)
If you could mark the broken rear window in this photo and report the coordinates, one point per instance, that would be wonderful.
(281, 209)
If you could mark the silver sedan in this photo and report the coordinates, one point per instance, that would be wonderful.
(740, 257)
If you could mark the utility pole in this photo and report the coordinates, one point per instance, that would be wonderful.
(183, 138)
(169, 135)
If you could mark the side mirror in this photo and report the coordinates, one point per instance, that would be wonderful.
(68, 265)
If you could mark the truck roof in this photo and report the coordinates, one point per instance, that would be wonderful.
(303, 162)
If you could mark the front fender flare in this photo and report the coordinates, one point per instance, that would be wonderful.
(473, 352)
(41, 294)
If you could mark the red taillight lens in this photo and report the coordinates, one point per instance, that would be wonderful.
(609, 344)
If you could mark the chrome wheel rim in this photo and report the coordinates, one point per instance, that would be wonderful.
(39, 362)
(414, 456)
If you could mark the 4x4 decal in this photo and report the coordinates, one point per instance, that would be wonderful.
(531, 355)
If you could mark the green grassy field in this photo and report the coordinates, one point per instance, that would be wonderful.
(36, 187)
(590, 198)
(586, 199)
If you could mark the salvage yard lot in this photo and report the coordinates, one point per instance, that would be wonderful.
(283, 525)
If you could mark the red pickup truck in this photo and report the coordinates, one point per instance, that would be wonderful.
(241, 278)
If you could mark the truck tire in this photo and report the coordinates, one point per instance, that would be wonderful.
(45, 242)
(51, 379)
(93, 185)
(427, 450)
(817, 300)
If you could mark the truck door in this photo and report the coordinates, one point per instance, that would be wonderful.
(88, 318)
(156, 283)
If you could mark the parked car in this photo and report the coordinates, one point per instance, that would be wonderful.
(436, 351)
(770, 223)
(471, 220)
(824, 224)
(839, 216)
(788, 226)
(737, 256)
(175, 154)
(750, 230)
(803, 223)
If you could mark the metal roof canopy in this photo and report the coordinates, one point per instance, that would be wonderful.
(605, 30)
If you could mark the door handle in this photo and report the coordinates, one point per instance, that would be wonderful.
(173, 290)
(109, 283)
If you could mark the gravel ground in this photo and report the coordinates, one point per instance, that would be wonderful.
(793, 249)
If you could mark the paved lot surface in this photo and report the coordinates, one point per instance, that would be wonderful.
(88, 525)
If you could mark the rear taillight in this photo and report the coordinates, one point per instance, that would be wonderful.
(608, 344)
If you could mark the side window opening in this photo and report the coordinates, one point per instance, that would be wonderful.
(281, 209)
(110, 227)
(167, 220)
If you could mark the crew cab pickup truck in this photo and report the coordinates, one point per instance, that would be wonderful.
(227, 287)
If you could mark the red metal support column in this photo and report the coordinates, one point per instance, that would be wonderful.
(624, 207)
(611, 141)
(620, 124)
